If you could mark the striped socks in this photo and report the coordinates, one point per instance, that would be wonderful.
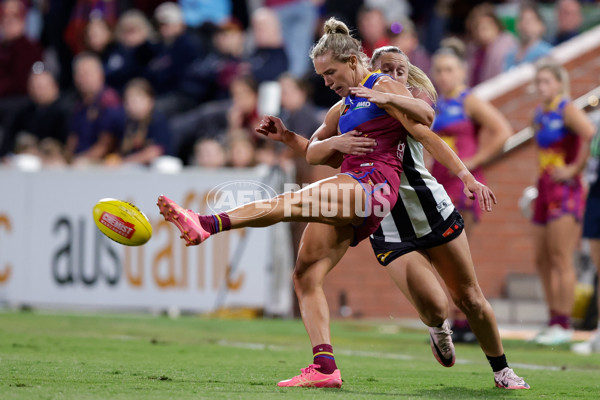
(323, 356)
(215, 223)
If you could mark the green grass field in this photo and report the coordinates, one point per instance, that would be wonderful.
(117, 356)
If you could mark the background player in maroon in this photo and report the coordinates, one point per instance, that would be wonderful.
(563, 134)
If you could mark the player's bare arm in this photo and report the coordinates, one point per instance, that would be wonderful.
(416, 109)
(493, 133)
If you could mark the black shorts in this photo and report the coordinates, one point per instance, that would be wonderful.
(386, 252)
(591, 218)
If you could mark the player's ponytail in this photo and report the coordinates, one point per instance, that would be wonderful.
(419, 80)
(333, 25)
(337, 40)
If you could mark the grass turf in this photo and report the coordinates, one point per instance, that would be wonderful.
(117, 356)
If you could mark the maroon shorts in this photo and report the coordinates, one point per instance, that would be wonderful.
(382, 193)
(556, 199)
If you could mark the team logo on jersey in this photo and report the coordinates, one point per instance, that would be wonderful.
(346, 108)
(362, 104)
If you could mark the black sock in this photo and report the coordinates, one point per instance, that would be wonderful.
(498, 363)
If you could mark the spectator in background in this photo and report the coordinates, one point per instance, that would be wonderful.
(209, 153)
(174, 54)
(269, 58)
(372, 28)
(490, 44)
(241, 152)
(298, 113)
(344, 10)
(403, 35)
(242, 116)
(17, 55)
(199, 12)
(99, 39)
(97, 123)
(221, 119)
(298, 19)
(43, 122)
(392, 10)
(147, 135)
(569, 19)
(531, 28)
(209, 77)
(81, 13)
(133, 50)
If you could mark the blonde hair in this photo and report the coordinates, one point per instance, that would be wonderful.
(416, 77)
(558, 71)
(337, 40)
(134, 18)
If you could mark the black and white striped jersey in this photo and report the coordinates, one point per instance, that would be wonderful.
(422, 204)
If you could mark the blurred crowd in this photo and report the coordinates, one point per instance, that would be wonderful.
(101, 82)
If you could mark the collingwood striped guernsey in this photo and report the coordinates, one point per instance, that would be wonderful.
(423, 216)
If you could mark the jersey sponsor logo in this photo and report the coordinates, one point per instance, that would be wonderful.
(442, 205)
(367, 164)
(117, 225)
(362, 104)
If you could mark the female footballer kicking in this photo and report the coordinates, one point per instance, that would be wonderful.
(562, 135)
(342, 67)
(408, 228)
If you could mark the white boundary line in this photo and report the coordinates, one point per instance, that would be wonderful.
(371, 354)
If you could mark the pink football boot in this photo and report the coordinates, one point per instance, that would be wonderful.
(185, 220)
(310, 377)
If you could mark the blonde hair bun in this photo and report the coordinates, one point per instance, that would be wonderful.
(333, 25)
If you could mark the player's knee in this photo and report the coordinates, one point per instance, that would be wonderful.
(559, 259)
(304, 281)
(435, 313)
(471, 302)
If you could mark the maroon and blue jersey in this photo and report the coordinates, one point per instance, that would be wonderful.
(360, 114)
(557, 145)
(459, 131)
(379, 171)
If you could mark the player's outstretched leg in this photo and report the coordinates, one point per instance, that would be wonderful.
(314, 203)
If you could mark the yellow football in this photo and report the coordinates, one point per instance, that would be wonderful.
(122, 222)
